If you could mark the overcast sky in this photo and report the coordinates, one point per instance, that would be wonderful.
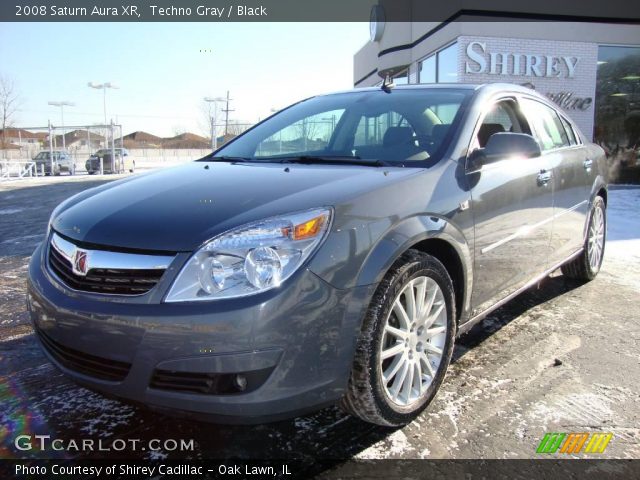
(165, 69)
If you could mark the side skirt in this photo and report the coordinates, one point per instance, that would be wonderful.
(466, 326)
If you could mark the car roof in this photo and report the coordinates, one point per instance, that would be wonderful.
(480, 87)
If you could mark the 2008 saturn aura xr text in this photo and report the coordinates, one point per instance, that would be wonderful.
(331, 254)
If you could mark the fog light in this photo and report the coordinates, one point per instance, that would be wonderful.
(263, 267)
(240, 382)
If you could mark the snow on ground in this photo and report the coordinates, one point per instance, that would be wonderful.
(622, 250)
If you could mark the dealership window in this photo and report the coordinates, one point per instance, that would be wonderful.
(440, 67)
(427, 70)
(401, 78)
(617, 107)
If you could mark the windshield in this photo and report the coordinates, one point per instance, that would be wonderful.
(403, 126)
(42, 156)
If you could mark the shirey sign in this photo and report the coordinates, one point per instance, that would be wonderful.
(527, 68)
(518, 64)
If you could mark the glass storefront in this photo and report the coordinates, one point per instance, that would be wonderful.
(440, 67)
(617, 109)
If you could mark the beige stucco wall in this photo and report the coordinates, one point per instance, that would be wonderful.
(366, 59)
(558, 39)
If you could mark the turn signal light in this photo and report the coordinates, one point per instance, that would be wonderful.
(309, 229)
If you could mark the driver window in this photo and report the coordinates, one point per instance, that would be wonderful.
(501, 118)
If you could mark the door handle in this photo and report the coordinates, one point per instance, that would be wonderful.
(587, 164)
(543, 177)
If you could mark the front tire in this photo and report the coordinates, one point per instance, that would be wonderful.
(586, 266)
(405, 344)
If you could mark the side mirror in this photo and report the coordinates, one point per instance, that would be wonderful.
(504, 145)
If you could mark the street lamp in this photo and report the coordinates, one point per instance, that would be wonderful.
(103, 87)
(214, 119)
(62, 104)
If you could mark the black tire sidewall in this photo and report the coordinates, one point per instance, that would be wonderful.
(422, 266)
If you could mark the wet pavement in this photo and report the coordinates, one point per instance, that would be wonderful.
(560, 357)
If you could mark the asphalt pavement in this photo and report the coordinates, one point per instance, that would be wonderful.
(561, 357)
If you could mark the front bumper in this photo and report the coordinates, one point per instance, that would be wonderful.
(296, 342)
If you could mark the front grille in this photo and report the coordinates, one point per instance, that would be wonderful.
(208, 383)
(104, 280)
(91, 365)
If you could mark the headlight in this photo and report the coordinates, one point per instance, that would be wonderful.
(252, 258)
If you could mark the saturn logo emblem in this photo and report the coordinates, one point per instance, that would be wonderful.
(80, 263)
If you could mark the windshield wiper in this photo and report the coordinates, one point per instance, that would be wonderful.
(331, 159)
(224, 158)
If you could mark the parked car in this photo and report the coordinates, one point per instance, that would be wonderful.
(330, 254)
(123, 161)
(62, 162)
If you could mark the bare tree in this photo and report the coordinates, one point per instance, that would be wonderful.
(178, 129)
(9, 102)
(236, 128)
(207, 120)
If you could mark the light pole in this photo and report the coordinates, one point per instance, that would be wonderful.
(62, 104)
(103, 87)
(214, 119)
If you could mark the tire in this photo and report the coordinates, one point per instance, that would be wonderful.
(586, 266)
(368, 396)
(91, 172)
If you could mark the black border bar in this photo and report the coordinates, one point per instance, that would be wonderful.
(609, 11)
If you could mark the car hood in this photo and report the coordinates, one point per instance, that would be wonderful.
(178, 209)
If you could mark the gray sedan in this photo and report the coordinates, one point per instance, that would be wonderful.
(331, 254)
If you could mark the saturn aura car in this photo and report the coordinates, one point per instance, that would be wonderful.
(329, 255)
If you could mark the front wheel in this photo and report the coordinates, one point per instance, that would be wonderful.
(405, 344)
(586, 266)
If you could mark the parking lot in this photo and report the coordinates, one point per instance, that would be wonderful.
(560, 358)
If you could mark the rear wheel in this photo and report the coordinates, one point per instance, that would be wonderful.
(586, 266)
(405, 344)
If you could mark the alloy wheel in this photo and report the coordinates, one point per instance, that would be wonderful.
(413, 341)
(595, 244)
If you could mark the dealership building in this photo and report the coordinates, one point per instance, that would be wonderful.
(592, 70)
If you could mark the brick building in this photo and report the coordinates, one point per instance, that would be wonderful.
(592, 70)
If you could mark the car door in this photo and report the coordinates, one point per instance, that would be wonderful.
(512, 206)
(570, 177)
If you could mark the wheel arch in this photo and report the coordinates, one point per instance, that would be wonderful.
(431, 234)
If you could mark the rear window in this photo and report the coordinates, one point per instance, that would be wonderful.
(547, 126)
